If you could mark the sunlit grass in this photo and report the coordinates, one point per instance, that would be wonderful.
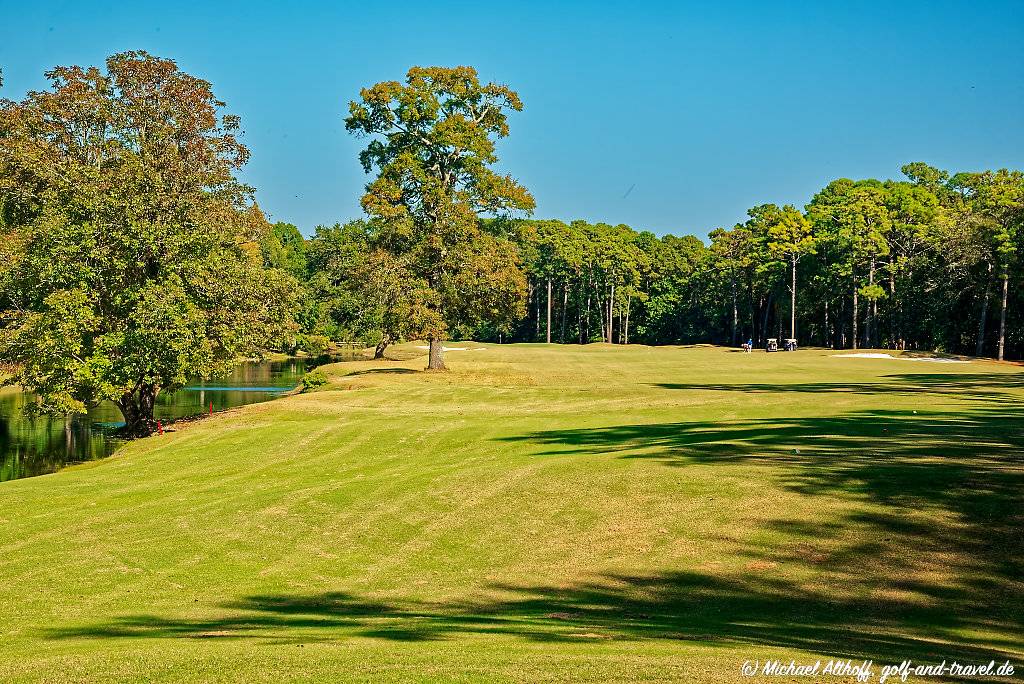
(540, 513)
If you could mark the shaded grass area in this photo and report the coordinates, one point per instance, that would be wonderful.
(679, 606)
(654, 513)
(974, 387)
(950, 486)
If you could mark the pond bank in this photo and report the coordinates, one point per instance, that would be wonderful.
(37, 446)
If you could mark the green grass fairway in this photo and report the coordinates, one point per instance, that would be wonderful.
(540, 513)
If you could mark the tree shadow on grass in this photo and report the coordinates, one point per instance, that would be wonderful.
(925, 489)
(758, 610)
(381, 371)
(986, 387)
(965, 464)
(963, 461)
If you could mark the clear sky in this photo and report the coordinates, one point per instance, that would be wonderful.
(671, 117)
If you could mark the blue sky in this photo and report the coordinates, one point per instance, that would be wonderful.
(671, 117)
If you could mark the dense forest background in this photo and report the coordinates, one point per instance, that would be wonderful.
(928, 262)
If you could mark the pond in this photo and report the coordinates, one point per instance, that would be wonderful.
(40, 445)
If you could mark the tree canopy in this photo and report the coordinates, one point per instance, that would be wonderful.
(131, 254)
(432, 148)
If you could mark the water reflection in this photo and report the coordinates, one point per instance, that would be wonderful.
(35, 446)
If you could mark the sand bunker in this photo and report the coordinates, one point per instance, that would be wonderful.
(427, 346)
(874, 355)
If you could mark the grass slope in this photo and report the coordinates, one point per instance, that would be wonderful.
(540, 513)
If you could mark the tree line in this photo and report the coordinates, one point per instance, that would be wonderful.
(132, 260)
(928, 262)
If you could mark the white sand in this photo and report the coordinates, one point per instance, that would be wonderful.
(864, 356)
(427, 346)
(872, 355)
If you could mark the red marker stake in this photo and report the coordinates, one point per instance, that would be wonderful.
(159, 427)
(211, 408)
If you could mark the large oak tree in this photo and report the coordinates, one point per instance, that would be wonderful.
(130, 253)
(433, 149)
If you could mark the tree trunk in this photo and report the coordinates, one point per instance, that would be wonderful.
(979, 347)
(565, 307)
(629, 302)
(903, 312)
(611, 308)
(855, 313)
(137, 409)
(753, 322)
(828, 330)
(894, 307)
(436, 361)
(875, 338)
(735, 308)
(548, 330)
(585, 332)
(378, 351)
(841, 328)
(1002, 312)
(869, 314)
(536, 317)
(792, 304)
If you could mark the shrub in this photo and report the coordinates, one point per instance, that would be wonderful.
(312, 380)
